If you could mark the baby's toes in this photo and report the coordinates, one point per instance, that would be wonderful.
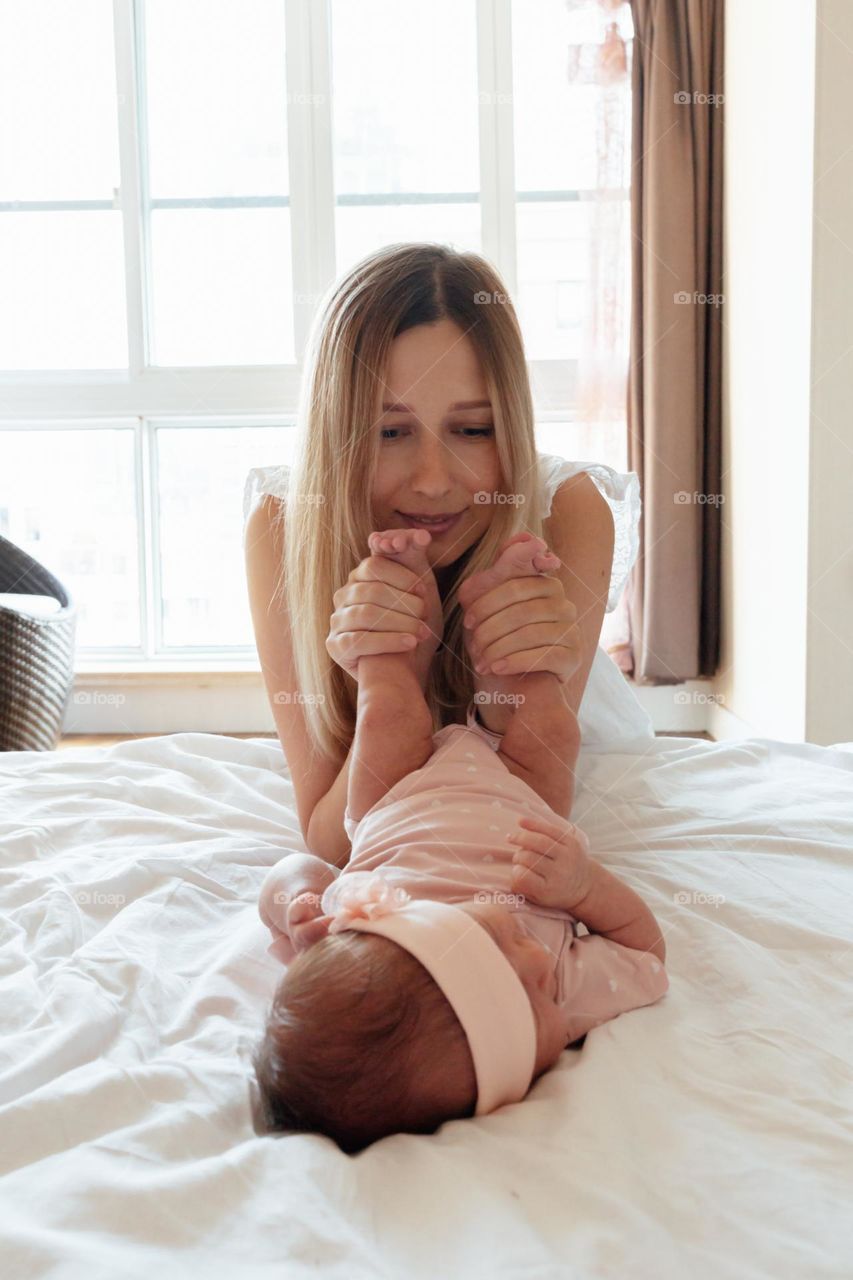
(525, 556)
(388, 542)
(406, 546)
(546, 562)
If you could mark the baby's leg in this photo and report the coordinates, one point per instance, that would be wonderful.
(542, 743)
(541, 736)
(393, 734)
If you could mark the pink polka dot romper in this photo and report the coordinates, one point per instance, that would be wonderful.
(441, 833)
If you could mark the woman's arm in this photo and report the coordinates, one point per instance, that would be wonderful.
(319, 784)
(326, 835)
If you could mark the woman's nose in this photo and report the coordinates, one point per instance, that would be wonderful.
(430, 471)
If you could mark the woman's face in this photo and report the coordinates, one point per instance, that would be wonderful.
(536, 968)
(433, 455)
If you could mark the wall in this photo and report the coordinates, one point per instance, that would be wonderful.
(787, 667)
(829, 687)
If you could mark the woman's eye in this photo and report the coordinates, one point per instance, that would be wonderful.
(388, 433)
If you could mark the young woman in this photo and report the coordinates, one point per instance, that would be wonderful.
(416, 411)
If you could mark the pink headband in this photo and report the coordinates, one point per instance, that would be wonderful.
(483, 988)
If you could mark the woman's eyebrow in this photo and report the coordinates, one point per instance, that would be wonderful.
(399, 407)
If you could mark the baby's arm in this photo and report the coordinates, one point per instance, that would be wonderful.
(553, 868)
(614, 910)
(295, 874)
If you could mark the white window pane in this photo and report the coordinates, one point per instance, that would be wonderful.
(605, 442)
(553, 243)
(59, 139)
(555, 120)
(222, 286)
(68, 498)
(202, 471)
(217, 116)
(406, 112)
(360, 229)
(62, 301)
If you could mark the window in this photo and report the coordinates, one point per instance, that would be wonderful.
(183, 181)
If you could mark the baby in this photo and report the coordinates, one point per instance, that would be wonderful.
(441, 971)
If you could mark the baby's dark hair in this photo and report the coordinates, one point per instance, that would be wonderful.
(360, 1042)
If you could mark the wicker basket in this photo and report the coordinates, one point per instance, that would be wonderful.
(36, 656)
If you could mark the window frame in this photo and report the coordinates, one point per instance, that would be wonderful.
(145, 396)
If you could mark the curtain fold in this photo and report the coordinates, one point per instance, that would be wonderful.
(675, 370)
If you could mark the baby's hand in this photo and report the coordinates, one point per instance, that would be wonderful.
(306, 923)
(552, 867)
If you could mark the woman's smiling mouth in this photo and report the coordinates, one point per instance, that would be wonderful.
(436, 524)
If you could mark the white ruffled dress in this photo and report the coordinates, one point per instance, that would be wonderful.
(610, 714)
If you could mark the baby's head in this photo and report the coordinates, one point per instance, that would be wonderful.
(362, 1042)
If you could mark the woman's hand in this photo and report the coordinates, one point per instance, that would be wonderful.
(552, 865)
(379, 610)
(525, 624)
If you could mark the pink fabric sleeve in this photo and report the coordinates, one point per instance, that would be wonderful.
(603, 979)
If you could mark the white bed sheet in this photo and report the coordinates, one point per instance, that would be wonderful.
(709, 1135)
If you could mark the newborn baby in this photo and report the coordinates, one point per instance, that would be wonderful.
(442, 970)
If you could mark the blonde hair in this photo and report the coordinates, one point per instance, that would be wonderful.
(327, 524)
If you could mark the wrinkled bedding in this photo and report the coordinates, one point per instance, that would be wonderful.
(709, 1135)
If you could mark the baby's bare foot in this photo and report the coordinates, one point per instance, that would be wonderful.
(408, 547)
(523, 556)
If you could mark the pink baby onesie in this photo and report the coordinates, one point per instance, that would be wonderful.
(440, 833)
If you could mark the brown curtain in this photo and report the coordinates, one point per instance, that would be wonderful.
(674, 382)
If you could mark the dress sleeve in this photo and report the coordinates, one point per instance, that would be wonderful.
(602, 979)
(621, 491)
(261, 481)
(350, 825)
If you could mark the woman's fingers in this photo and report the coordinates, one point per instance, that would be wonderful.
(379, 609)
(523, 639)
(550, 657)
(379, 620)
(515, 592)
(390, 572)
(351, 645)
(360, 594)
(372, 617)
(507, 624)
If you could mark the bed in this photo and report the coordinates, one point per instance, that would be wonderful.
(709, 1135)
